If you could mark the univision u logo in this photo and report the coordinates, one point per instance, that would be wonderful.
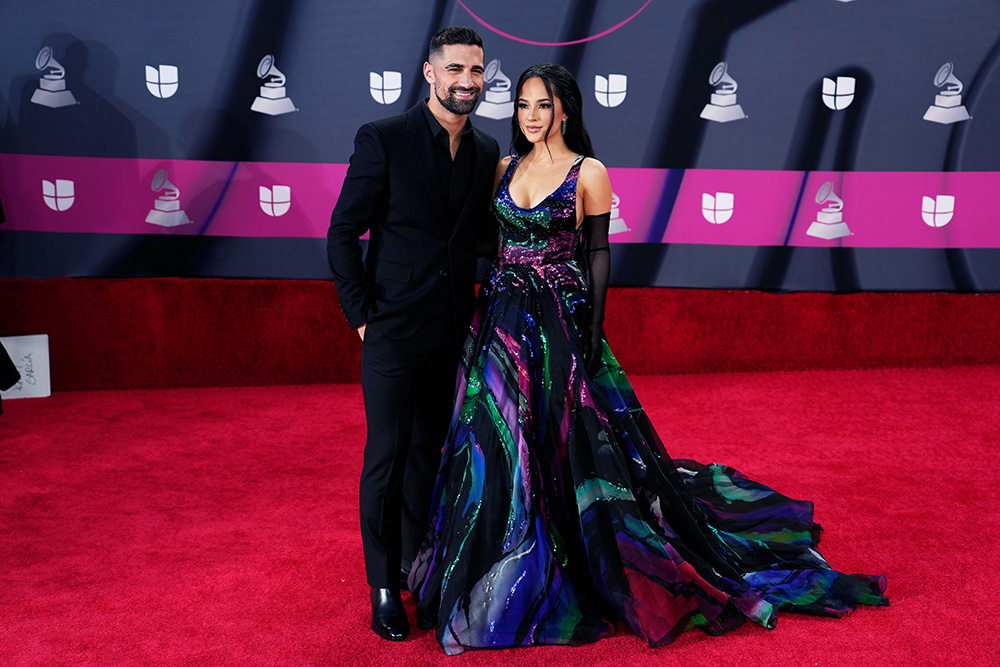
(162, 81)
(719, 208)
(385, 87)
(610, 90)
(939, 211)
(60, 195)
(839, 94)
(276, 200)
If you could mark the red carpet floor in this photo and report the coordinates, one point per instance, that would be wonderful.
(219, 526)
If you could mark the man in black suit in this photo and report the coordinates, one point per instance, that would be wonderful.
(421, 183)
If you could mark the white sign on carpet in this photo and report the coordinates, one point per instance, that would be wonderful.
(30, 355)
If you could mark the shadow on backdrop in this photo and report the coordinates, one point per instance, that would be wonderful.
(675, 143)
(93, 126)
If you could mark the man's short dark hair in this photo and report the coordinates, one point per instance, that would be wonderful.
(456, 34)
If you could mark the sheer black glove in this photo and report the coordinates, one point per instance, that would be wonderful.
(592, 337)
(598, 255)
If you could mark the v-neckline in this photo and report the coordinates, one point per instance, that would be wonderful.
(576, 161)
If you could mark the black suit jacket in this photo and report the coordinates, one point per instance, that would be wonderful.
(415, 260)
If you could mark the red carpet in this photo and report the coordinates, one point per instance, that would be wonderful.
(148, 333)
(219, 526)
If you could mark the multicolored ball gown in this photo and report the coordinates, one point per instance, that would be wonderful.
(558, 510)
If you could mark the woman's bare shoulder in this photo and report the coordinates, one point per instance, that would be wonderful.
(594, 175)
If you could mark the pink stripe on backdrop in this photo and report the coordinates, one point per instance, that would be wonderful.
(880, 209)
(220, 198)
(763, 202)
(883, 209)
(638, 192)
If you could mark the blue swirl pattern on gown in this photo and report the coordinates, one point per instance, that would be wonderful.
(557, 509)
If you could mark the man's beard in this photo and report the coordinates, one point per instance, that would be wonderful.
(455, 105)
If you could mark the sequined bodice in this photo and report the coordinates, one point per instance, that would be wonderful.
(544, 234)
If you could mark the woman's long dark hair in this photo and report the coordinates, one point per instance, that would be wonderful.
(558, 83)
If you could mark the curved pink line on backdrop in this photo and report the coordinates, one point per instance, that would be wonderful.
(575, 41)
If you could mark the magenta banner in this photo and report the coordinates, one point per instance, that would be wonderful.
(711, 206)
(182, 197)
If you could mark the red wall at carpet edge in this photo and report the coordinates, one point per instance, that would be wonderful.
(176, 332)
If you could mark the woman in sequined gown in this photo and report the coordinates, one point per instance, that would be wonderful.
(557, 509)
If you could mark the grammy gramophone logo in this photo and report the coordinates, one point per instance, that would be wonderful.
(617, 223)
(829, 223)
(722, 107)
(947, 107)
(498, 102)
(272, 99)
(166, 211)
(51, 91)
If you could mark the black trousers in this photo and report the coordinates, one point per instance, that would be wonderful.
(409, 391)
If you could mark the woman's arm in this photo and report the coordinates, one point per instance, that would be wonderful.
(594, 193)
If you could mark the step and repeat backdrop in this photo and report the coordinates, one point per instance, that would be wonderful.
(772, 144)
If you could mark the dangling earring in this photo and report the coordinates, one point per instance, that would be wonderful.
(564, 127)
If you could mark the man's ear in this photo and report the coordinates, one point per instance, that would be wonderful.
(428, 72)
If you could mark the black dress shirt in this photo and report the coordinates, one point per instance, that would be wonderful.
(452, 176)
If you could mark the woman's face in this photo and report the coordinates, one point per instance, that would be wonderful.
(536, 110)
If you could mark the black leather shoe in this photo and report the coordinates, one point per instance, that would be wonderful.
(388, 616)
(404, 574)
